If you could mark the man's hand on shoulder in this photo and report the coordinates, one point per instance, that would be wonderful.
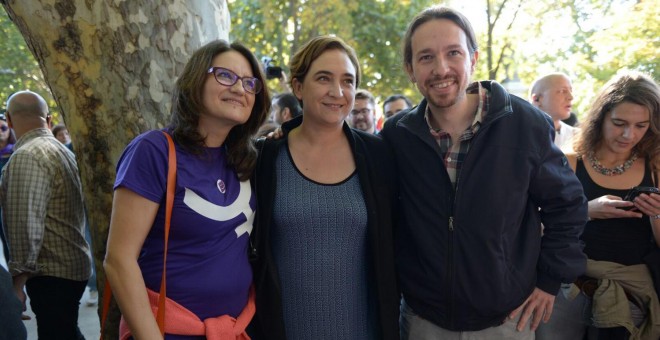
(538, 305)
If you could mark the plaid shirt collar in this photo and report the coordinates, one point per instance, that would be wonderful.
(32, 134)
(454, 154)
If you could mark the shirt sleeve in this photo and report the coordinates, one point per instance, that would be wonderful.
(142, 168)
(29, 190)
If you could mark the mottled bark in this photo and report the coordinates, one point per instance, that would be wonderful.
(111, 66)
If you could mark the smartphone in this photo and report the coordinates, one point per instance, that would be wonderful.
(634, 192)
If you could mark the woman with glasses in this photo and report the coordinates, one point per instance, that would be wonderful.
(617, 149)
(218, 104)
(323, 231)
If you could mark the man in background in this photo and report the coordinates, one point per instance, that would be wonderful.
(395, 103)
(363, 115)
(44, 216)
(284, 107)
(553, 94)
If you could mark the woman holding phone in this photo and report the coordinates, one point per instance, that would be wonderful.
(617, 149)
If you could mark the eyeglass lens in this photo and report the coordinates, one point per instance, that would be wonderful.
(229, 78)
(4, 128)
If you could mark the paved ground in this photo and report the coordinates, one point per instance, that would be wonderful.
(88, 321)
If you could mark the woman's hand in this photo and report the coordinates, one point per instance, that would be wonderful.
(649, 204)
(610, 206)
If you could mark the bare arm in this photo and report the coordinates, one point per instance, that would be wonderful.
(131, 220)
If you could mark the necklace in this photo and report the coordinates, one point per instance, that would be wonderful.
(617, 170)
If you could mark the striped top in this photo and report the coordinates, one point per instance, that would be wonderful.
(319, 243)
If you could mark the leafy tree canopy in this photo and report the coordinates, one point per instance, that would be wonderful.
(18, 68)
(590, 40)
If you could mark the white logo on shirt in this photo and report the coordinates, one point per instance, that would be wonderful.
(241, 206)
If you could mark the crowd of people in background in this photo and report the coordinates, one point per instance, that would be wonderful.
(473, 213)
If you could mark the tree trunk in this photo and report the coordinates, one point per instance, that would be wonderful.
(111, 66)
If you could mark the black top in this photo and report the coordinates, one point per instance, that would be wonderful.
(620, 240)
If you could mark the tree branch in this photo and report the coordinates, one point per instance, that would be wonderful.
(499, 12)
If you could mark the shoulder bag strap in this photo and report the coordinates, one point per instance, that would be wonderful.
(169, 202)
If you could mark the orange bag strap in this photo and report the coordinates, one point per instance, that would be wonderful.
(107, 297)
(169, 203)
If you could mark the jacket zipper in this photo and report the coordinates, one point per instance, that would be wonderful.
(450, 269)
(450, 277)
(450, 265)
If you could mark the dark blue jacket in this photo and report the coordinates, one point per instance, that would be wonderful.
(467, 258)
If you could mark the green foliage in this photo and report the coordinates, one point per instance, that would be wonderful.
(374, 28)
(598, 39)
(632, 42)
(590, 40)
(18, 68)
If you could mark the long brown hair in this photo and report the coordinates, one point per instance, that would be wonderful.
(631, 87)
(187, 103)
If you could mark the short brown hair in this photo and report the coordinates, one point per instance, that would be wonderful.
(57, 128)
(437, 13)
(311, 50)
(364, 94)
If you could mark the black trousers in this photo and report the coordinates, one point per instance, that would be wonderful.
(55, 302)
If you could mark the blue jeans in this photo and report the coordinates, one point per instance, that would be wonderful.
(571, 319)
(414, 327)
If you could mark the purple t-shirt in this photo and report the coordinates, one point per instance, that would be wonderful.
(207, 265)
